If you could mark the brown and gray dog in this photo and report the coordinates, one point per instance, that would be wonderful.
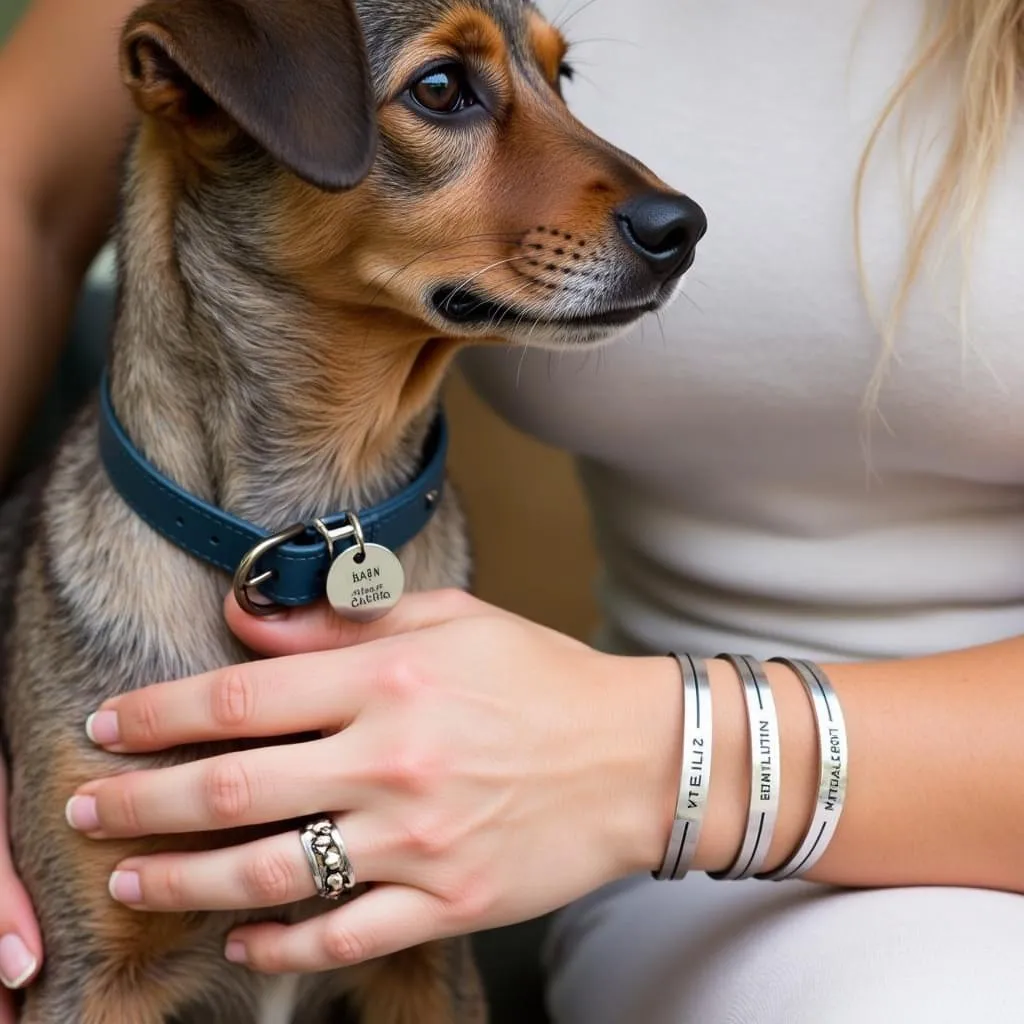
(322, 203)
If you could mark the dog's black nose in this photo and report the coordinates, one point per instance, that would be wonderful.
(663, 229)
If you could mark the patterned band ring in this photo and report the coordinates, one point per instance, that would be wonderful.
(328, 860)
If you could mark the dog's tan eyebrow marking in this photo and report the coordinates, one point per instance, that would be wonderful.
(548, 45)
(466, 34)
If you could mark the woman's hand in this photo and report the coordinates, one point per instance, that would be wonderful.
(482, 770)
(21, 948)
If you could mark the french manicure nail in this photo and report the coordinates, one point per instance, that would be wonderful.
(235, 952)
(102, 728)
(126, 887)
(17, 964)
(80, 812)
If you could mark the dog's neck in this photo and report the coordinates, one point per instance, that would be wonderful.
(246, 394)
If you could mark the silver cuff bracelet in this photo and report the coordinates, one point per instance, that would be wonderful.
(695, 771)
(834, 753)
(763, 729)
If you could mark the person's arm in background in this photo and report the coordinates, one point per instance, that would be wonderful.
(63, 117)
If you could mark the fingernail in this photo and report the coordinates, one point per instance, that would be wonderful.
(235, 952)
(80, 812)
(17, 964)
(126, 887)
(102, 728)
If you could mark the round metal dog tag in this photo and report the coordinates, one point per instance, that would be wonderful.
(364, 584)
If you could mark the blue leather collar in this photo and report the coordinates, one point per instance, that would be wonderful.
(295, 569)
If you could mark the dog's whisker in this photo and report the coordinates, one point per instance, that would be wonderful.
(556, 20)
(533, 326)
(561, 23)
(396, 275)
(465, 240)
(580, 76)
(506, 304)
(691, 301)
(604, 39)
(519, 368)
(492, 266)
(519, 322)
(448, 258)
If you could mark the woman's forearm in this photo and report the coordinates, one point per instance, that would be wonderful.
(936, 771)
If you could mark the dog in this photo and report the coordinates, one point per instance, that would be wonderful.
(322, 204)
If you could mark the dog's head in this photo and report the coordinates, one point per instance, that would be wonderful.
(414, 157)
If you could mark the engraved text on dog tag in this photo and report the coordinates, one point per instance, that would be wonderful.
(365, 584)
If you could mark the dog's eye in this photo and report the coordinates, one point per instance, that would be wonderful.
(444, 90)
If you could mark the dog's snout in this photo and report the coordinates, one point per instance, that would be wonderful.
(663, 229)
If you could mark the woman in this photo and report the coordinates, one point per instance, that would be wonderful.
(767, 476)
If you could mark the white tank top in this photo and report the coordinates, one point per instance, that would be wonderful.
(723, 451)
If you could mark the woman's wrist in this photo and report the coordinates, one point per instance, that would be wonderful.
(643, 706)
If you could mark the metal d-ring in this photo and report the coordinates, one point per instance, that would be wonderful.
(242, 581)
(357, 531)
(352, 528)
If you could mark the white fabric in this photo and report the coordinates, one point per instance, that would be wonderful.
(723, 450)
(735, 505)
(706, 952)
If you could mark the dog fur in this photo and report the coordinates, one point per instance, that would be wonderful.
(286, 217)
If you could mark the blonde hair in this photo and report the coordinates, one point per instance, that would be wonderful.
(981, 42)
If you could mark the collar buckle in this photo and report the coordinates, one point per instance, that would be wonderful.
(244, 582)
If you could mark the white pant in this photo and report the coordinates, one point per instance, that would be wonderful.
(707, 952)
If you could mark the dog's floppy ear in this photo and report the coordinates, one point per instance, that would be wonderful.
(293, 76)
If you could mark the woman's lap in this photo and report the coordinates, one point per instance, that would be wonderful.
(644, 952)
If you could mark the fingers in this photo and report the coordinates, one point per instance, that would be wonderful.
(320, 628)
(248, 787)
(296, 692)
(306, 693)
(21, 947)
(267, 873)
(270, 872)
(376, 923)
(18, 964)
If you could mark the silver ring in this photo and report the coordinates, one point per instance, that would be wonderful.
(333, 873)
